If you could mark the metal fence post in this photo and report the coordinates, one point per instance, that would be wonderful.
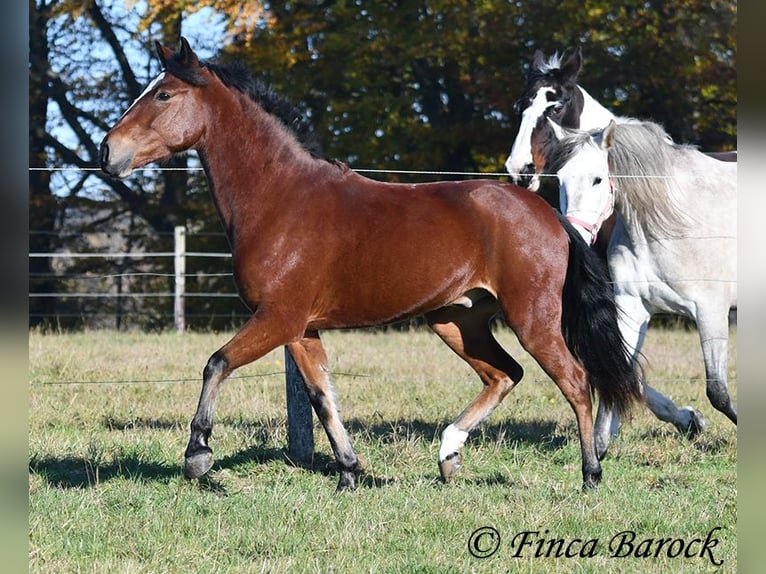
(300, 423)
(179, 250)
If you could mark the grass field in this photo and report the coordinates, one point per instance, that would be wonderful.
(108, 422)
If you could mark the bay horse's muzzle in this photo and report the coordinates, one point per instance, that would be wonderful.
(111, 165)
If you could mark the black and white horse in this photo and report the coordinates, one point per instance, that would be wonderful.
(552, 91)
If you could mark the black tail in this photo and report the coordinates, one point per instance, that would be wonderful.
(590, 327)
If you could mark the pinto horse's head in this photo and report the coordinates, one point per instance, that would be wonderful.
(551, 92)
(164, 119)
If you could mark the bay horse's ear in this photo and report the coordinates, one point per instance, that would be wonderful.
(188, 57)
(163, 53)
(573, 65)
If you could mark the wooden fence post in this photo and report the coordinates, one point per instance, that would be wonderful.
(179, 249)
(300, 423)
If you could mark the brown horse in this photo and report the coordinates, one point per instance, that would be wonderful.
(317, 246)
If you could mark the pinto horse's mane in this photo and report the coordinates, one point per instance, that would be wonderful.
(545, 66)
(237, 75)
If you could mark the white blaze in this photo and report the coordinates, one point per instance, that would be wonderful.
(521, 151)
(148, 89)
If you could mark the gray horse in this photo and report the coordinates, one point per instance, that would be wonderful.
(674, 247)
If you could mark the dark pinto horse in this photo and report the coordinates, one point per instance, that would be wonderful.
(317, 246)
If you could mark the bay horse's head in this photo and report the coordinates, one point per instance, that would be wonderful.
(550, 92)
(165, 119)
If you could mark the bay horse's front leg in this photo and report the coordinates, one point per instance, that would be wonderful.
(198, 458)
(262, 333)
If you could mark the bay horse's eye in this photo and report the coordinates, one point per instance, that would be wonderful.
(162, 96)
(596, 180)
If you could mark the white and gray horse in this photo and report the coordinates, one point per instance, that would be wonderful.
(673, 248)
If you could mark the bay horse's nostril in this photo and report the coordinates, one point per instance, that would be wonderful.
(103, 155)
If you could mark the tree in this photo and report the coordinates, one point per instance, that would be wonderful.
(43, 206)
(431, 85)
(388, 85)
(78, 50)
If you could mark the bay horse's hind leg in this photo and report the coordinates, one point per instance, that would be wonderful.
(543, 339)
(311, 359)
(467, 332)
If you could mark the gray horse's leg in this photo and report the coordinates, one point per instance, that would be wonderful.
(713, 329)
(687, 420)
(633, 319)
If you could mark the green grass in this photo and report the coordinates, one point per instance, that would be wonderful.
(106, 492)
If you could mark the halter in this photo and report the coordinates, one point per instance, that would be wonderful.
(593, 228)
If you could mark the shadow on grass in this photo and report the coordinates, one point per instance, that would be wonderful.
(538, 433)
(706, 442)
(73, 472)
(79, 472)
(113, 423)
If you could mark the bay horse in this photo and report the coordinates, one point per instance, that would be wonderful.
(552, 91)
(674, 247)
(317, 246)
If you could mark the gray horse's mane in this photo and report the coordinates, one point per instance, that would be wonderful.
(651, 196)
(642, 161)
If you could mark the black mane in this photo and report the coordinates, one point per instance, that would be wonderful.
(237, 75)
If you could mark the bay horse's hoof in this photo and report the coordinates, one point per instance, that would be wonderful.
(198, 463)
(450, 465)
(591, 480)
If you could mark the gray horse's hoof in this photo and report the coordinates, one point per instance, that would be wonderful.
(347, 481)
(695, 425)
(450, 465)
(601, 448)
(197, 464)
